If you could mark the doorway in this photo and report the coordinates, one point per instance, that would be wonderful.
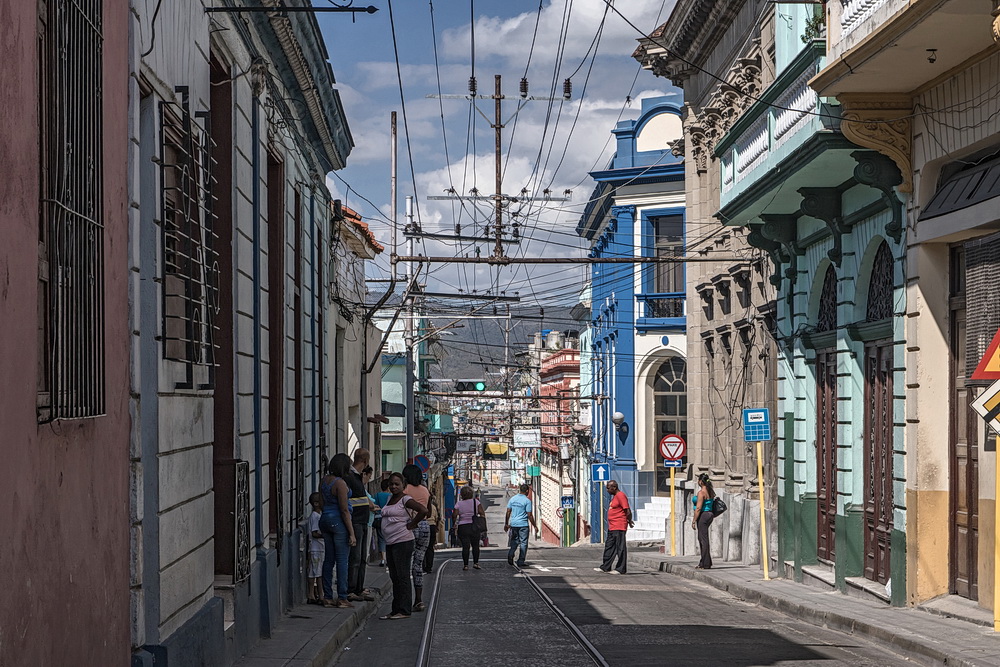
(878, 459)
(826, 453)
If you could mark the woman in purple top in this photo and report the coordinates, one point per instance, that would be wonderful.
(465, 509)
(400, 516)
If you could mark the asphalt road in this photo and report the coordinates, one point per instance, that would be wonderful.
(494, 617)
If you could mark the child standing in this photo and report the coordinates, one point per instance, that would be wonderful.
(317, 550)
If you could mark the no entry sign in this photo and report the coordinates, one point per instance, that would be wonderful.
(672, 447)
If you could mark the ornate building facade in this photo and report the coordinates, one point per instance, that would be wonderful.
(731, 310)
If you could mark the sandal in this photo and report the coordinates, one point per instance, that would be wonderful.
(465, 568)
(420, 606)
(393, 617)
(476, 565)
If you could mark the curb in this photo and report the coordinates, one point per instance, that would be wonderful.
(334, 643)
(910, 645)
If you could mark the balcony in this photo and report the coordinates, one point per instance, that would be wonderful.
(772, 129)
(661, 310)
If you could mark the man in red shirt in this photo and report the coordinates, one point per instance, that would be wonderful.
(619, 521)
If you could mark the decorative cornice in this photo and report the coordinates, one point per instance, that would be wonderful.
(880, 172)
(825, 204)
(881, 122)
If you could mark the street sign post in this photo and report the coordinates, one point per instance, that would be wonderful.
(600, 472)
(988, 407)
(672, 449)
(757, 428)
(567, 502)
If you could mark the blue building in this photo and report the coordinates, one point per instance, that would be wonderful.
(637, 332)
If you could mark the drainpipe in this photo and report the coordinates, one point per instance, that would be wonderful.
(317, 237)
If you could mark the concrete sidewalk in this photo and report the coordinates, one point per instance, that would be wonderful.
(947, 631)
(311, 635)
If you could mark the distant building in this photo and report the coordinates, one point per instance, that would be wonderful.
(637, 333)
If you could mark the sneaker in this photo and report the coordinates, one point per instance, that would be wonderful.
(381, 563)
(614, 572)
(510, 560)
(599, 569)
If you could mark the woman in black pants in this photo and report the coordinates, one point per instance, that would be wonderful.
(400, 517)
(703, 518)
(462, 521)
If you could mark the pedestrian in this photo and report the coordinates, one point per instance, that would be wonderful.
(619, 521)
(703, 517)
(338, 532)
(376, 511)
(381, 498)
(400, 517)
(463, 525)
(422, 534)
(317, 550)
(516, 524)
(360, 512)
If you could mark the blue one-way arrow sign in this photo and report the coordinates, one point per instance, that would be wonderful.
(600, 472)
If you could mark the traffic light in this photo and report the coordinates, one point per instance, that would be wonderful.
(470, 385)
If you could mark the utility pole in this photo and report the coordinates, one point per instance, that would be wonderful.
(409, 340)
(497, 124)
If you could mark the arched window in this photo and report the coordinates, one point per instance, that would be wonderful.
(826, 317)
(670, 398)
(880, 288)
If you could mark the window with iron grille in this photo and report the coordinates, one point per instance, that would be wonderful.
(71, 374)
(190, 263)
(826, 318)
(881, 288)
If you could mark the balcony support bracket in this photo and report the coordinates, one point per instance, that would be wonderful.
(883, 123)
(881, 172)
(825, 204)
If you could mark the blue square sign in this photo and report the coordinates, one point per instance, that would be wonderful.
(600, 472)
(567, 502)
(756, 425)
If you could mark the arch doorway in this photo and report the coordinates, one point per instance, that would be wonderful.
(669, 413)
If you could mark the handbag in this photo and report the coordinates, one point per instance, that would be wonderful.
(718, 506)
(478, 521)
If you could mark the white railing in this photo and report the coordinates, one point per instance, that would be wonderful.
(856, 12)
(752, 148)
(792, 110)
(727, 173)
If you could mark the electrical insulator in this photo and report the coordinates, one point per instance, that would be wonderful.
(486, 230)
(515, 231)
(524, 87)
(458, 229)
(473, 87)
(567, 89)
(477, 251)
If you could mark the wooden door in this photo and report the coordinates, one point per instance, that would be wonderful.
(878, 459)
(964, 470)
(826, 453)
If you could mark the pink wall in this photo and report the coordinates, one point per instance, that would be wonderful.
(64, 563)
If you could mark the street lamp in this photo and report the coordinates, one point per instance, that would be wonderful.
(618, 419)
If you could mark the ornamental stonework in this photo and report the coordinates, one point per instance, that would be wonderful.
(883, 123)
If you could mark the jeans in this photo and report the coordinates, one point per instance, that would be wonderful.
(615, 547)
(398, 557)
(469, 537)
(337, 551)
(358, 560)
(704, 521)
(518, 536)
(421, 538)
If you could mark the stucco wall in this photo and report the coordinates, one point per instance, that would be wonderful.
(64, 567)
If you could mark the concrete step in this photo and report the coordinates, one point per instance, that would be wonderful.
(865, 589)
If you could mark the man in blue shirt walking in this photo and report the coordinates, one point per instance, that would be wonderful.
(516, 524)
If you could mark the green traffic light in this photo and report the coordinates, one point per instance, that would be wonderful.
(480, 386)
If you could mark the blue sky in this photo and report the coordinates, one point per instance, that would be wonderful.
(546, 145)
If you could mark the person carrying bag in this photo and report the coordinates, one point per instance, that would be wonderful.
(469, 521)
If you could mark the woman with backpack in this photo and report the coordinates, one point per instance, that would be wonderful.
(703, 517)
(467, 510)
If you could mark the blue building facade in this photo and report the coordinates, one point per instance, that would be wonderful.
(637, 333)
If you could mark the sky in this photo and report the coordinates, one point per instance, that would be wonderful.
(546, 144)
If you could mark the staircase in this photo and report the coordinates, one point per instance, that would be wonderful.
(649, 521)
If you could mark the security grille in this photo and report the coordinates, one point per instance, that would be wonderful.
(982, 263)
(881, 288)
(71, 233)
(241, 568)
(296, 491)
(826, 319)
(190, 261)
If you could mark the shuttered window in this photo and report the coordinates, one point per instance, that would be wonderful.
(982, 289)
